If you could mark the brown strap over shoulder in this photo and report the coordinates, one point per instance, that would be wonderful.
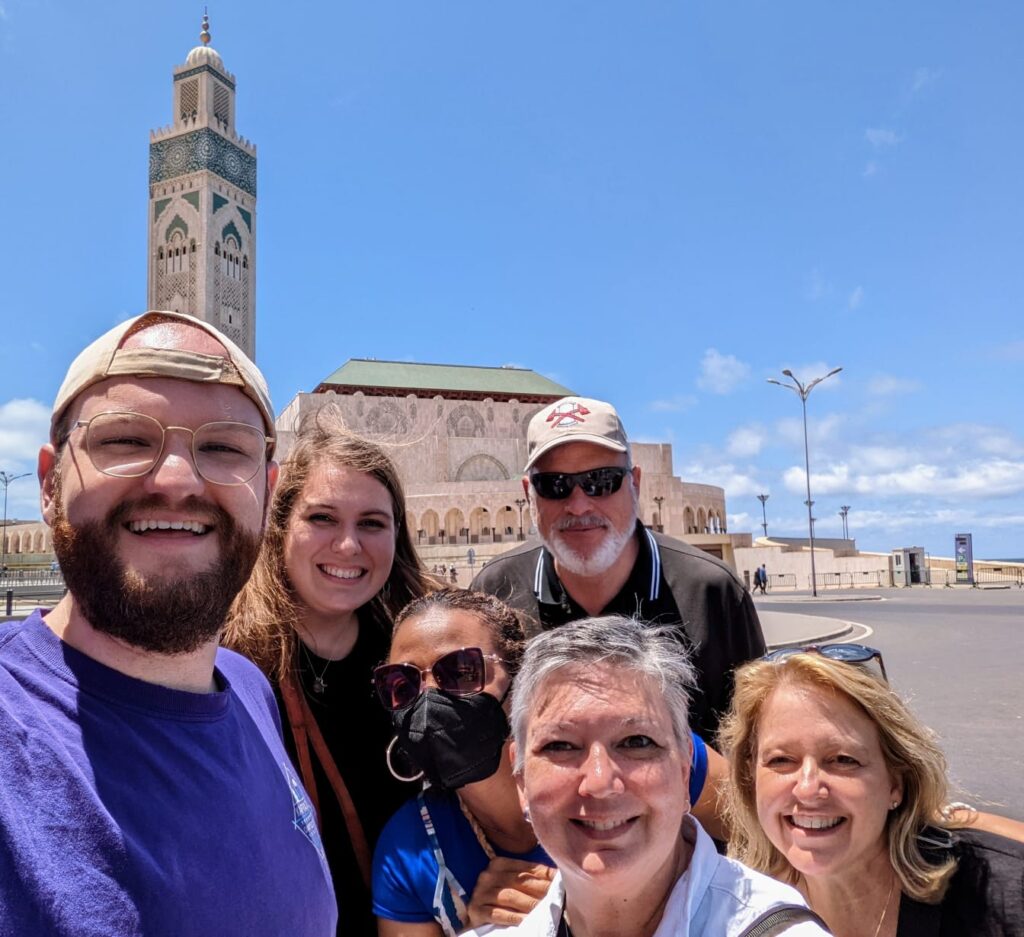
(307, 735)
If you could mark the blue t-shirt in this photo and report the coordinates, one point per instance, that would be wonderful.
(132, 809)
(407, 882)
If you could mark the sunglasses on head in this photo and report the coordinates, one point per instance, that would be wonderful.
(557, 486)
(457, 673)
(846, 653)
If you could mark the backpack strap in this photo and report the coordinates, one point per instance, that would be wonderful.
(777, 919)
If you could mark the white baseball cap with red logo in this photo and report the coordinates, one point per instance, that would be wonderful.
(574, 419)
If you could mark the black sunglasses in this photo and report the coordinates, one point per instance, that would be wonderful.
(557, 486)
(847, 653)
(457, 673)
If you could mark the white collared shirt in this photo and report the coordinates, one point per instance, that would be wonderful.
(715, 895)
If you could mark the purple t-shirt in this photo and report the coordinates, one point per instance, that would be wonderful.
(132, 809)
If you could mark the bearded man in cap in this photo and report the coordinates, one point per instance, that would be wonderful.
(144, 786)
(597, 558)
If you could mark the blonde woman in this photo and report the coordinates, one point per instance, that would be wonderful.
(836, 788)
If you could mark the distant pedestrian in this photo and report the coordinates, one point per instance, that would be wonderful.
(762, 580)
(453, 574)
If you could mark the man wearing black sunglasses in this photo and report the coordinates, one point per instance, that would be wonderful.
(596, 557)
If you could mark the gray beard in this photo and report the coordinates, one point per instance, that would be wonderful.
(598, 562)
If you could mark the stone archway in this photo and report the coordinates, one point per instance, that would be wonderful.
(506, 521)
(481, 468)
(454, 523)
(689, 522)
(430, 523)
(480, 522)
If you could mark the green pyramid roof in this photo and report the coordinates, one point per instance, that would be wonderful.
(398, 378)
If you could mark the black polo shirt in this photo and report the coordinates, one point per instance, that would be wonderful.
(671, 583)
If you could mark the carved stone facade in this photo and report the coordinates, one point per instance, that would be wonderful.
(202, 194)
(26, 544)
(461, 462)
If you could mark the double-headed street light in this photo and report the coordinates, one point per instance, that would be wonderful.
(844, 510)
(520, 503)
(5, 479)
(764, 516)
(803, 391)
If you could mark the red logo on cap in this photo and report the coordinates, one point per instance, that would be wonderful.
(567, 414)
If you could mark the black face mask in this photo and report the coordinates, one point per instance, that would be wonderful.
(453, 740)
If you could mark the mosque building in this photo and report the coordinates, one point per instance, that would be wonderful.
(457, 433)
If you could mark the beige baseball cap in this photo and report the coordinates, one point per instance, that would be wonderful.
(574, 419)
(106, 358)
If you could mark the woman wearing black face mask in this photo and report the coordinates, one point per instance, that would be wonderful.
(462, 853)
(453, 656)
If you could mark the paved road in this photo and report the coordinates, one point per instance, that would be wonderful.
(958, 656)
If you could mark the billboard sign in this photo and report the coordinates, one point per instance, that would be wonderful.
(963, 557)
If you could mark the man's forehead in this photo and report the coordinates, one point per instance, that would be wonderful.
(167, 398)
(578, 457)
(179, 336)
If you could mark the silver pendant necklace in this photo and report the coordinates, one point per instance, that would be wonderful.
(319, 684)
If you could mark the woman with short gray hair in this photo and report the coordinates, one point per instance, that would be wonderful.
(602, 759)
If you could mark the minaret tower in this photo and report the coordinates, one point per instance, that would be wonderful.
(202, 203)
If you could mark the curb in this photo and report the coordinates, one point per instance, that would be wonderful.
(811, 600)
(847, 628)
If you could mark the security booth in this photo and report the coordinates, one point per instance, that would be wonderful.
(908, 566)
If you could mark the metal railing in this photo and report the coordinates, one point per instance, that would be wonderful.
(442, 539)
(30, 577)
(851, 580)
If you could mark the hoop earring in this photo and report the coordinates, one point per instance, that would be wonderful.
(391, 768)
(386, 591)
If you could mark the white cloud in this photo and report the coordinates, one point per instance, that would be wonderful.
(882, 139)
(855, 298)
(746, 441)
(736, 482)
(885, 385)
(876, 458)
(740, 521)
(24, 427)
(970, 438)
(820, 429)
(677, 404)
(721, 374)
(977, 478)
(870, 169)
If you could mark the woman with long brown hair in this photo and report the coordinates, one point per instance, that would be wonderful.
(336, 565)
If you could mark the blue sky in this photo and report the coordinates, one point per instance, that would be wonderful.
(662, 204)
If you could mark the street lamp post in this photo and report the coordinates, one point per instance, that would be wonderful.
(803, 391)
(844, 510)
(520, 503)
(658, 499)
(764, 516)
(5, 479)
